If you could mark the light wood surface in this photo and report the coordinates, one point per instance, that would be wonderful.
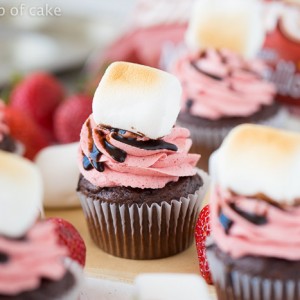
(102, 265)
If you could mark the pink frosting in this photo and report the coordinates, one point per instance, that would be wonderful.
(239, 89)
(142, 168)
(278, 237)
(3, 127)
(38, 256)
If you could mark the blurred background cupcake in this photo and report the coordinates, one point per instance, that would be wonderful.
(254, 253)
(281, 51)
(152, 25)
(223, 84)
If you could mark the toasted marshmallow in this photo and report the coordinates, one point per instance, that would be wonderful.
(256, 160)
(58, 166)
(137, 98)
(234, 24)
(170, 287)
(21, 194)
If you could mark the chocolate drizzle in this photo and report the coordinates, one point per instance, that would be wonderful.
(3, 258)
(225, 221)
(255, 219)
(146, 145)
(215, 77)
(92, 160)
(189, 103)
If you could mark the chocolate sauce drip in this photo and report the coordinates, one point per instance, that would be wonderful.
(117, 154)
(189, 103)
(225, 222)
(193, 64)
(255, 219)
(3, 258)
(86, 163)
(146, 145)
(92, 161)
(95, 155)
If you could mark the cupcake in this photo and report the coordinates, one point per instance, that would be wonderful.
(32, 264)
(222, 85)
(139, 188)
(255, 211)
(153, 27)
(281, 48)
(7, 143)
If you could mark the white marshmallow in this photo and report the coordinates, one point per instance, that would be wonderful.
(166, 286)
(290, 23)
(21, 194)
(259, 160)
(137, 98)
(233, 24)
(58, 166)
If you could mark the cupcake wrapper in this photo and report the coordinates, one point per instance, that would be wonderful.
(213, 137)
(240, 286)
(76, 270)
(144, 232)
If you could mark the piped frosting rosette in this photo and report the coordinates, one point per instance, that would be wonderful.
(27, 261)
(113, 157)
(220, 83)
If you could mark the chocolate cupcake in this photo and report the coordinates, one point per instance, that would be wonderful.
(32, 264)
(223, 86)
(220, 91)
(255, 212)
(139, 188)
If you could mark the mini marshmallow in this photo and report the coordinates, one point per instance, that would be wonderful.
(21, 194)
(256, 160)
(233, 24)
(137, 98)
(58, 166)
(166, 286)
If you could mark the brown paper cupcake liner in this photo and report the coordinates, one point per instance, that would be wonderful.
(213, 137)
(236, 285)
(206, 140)
(143, 231)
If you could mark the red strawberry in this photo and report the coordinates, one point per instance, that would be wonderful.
(70, 116)
(23, 129)
(71, 238)
(38, 95)
(202, 231)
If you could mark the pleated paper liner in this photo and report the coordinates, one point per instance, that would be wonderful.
(236, 285)
(143, 231)
(207, 139)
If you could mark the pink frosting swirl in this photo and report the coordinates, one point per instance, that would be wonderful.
(3, 126)
(220, 84)
(141, 168)
(38, 256)
(278, 236)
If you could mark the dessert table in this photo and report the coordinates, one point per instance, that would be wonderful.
(111, 277)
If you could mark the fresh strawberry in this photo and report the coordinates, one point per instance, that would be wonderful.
(38, 95)
(23, 129)
(70, 116)
(202, 231)
(71, 238)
